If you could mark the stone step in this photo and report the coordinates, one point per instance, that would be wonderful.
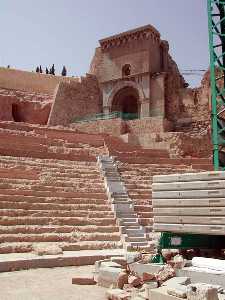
(143, 208)
(92, 245)
(46, 188)
(145, 214)
(140, 191)
(128, 223)
(7, 221)
(54, 213)
(145, 221)
(139, 243)
(52, 183)
(42, 153)
(135, 232)
(23, 247)
(48, 164)
(33, 229)
(124, 215)
(75, 202)
(53, 206)
(57, 194)
(59, 237)
(136, 197)
(138, 239)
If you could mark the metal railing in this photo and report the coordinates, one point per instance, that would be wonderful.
(104, 116)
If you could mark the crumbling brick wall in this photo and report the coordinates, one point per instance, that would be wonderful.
(76, 100)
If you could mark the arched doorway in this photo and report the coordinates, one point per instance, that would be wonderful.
(126, 101)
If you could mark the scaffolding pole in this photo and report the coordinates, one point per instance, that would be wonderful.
(216, 24)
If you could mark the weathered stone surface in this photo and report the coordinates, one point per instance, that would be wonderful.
(149, 286)
(46, 249)
(177, 281)
(119, 260)
(108, 276)
(122, 280)
(201, 291)
(117, 294)
(83, 280)
(148, 276)
(134, 280)
(177, 290)
(166, 273)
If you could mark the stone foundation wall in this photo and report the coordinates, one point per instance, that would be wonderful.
(114, 127)
(179, 144)
(117, 127)
(23, 106)
(75, 100)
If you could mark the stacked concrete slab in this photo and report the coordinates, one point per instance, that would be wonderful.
(189, 203)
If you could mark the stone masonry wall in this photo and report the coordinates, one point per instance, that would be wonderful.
(75, 100)
(23, 106)
(12, 79)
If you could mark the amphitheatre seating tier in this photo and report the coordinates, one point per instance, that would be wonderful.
(138, 177)
(24, 140)
(52, 192)
(51, 201)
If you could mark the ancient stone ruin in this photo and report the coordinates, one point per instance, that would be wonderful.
(76, 185)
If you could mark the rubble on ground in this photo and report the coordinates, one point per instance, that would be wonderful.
(123, 283)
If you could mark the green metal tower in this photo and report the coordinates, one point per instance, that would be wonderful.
(216, 17)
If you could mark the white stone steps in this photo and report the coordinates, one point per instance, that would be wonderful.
(193, 219)
(131, 239)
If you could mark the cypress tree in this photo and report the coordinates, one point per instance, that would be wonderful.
(46, 71)
(40, 69)
(64, 71)
(53, 69)
(37, 70)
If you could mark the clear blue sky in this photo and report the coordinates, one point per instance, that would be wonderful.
(66, 32)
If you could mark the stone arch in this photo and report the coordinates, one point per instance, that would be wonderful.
(122, 85)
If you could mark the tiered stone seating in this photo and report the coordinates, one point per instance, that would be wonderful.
(54, 201)
(42, 142)
(51, 190)
(138, 179)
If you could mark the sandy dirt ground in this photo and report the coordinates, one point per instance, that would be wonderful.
(48, 284)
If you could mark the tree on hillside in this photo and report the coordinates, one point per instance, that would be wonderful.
(37, 70)
(40, 69)
(64, 71)
(46, 71)
(52, 70)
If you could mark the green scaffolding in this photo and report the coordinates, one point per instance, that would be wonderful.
(216, 19)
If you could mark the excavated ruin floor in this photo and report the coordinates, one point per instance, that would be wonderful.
(48, 284)
(16, 261)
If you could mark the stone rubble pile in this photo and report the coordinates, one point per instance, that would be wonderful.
(123, 283)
